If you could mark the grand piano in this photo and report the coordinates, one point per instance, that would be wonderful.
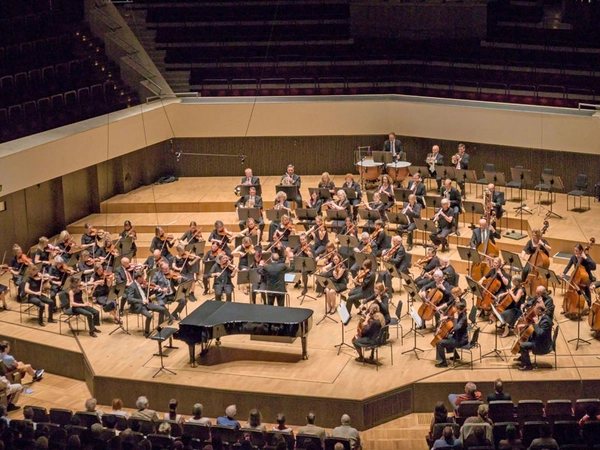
(213, 320)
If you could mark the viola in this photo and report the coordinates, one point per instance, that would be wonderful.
(167, 237)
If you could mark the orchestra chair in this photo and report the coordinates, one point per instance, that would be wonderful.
(542, 187)
(331, 441)
(60, 416)
(87, 419)
(499, 431)
(553, 350)
(559, 410)
(302, 441)
(197, 431)
(502, 411)
(580, 191)
(516, 183)
(566, 432)
(273, 437)
(121, 421)
(25, 308)
(470, 347)
(381, 341)
(12, 286)
(581, 406)
(531, 431)
(40, 415)
(396, 321)
(67, 314)
(530, 411)
(489, 168)
(590, 432)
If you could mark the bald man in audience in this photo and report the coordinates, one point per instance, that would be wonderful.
(311, 428)
(347, 432)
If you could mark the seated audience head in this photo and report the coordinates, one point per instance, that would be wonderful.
(164, 428)
(440, 412)
(310, 417)
(117, 404)
(141, 402)
(231, 411)
(254, 418)
(511, 433)
(28, 413)
(90, 404)
(345, 419)
(197, 410)
(470, 388)
(498, 386)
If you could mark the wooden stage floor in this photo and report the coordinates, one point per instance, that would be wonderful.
(272, 375)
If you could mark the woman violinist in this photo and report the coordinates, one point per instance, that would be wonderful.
(163, 242)
(243, 251)
(102, 282)
(80, 306)
(17, 267)
(382, 300)
(183, 264)
(223, 272)
(321, 236)
(368, 330)
(376, 205)
(86, 266)
(364, 286)
(66, 245)
(33, 289)
(282, 234)
(44, 252)
(210, 255)
(222, 236)
(338, 274)
(252, 229)
(511, 303)
(129, 232)
(314, 202)
(582, 276)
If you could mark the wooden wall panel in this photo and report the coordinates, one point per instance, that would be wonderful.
(13, 224)
(147, 165)
(110, 178)
(44, 210)
(80, 190)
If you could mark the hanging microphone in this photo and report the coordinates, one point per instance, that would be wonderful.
(178, 155)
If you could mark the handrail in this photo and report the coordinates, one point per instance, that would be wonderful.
(107, 19)
(588, 105)
(131, 47)
(173, 95)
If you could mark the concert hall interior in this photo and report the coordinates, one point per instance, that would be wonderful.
(105, 170)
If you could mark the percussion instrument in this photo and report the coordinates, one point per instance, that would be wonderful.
(398, 171)
(369, 169)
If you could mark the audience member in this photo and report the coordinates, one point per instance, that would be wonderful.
(348, 432)
(172, 414)
(28, 416)
(13, 391)
(440, 415)
(311, 428)
(591, 414)
(254, 421)
(197, 415)
(481, 418)
(165, 429)
(228, 419)
(143, 412)
(90, 406)
(482, 415)
(11, 363)
(281, 426)
(447, 440)
(117, 408)
(3, 415)
(545, 438)
(477, 439)
(512, 441)
(498, 393)
(471, 393)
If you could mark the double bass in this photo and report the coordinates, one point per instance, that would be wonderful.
(538, 259)
(594, 317)
(486, 248)
(574, 301)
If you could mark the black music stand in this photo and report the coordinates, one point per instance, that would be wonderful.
(496, 178)
(350, 193)
(245, 189)
(382, 196)
(322, 193)
(417, 323)
(247, 213)
(361, 257)
(382, 157)
(393, 271)
(426, 226)
(513, 259)
(551, 180)
(183, 290)
(408, 281)
(197, 248)
(246, 277)
(305, 265)
(466, 175)
(345, 320)
(369, 216)
(349, 241)
(432, 201)
(116, 291)
(306, 216)
(337, 215)
(398, 218)
(446, 172)
(474, 208)
(74, 258)
(476, 291)
(549, 275)
(161, 334)
(291, 191)
(495, 353)
(325, 283)
(275, 215)
(238, 241)
(294, 241)
(125, 245)
(471, 255)
(401, 195)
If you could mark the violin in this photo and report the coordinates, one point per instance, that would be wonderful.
(391, 251)
(189, 255)
(198, 235)
(360, 276)
(24, 259)
(67, 270)
(424, 261)
(224, 232)
(167, 237)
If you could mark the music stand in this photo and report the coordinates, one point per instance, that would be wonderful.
(125, 245)
(361, 257)
(238, 241)
(496, 178)
(401, 195)
(183, 290)
(408, 281)
(350, 193)
(382, 196)
(578, 340)
(466, 175)
(322, 193)
(307, 265)
(551, 180)
(446, 172)
(246, 213)
(369, 216)
(513, 259)
(344, 319)
(433, 201)
(549, 275)
(306, 215)
(337, 214)
(116, 291)
(398, 218)
(471, 255)
(275, 215)
(426, 226)
(474, 208)
(245, 189)
(161, 334)
(74, 258)
(349, 241)
(475, 291)
(495, 353)
(291, 191)
(325, 283)
(247, 277)
(417, 322)
(293, 241)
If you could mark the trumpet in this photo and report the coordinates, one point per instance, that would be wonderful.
(456, 158)
(430, 160)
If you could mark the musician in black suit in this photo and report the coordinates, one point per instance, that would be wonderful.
(251, 201)
(438, 282)
(124, 274)
(445, 220)
(461, 161)
(484, 233)
(396, 256)
(223, 272)
(349, 183)
(165, 290)
(292, 179)
(410, 209)
(449, 272)
(418, 188)
(497, 200)
(451, 193)
(249, 179)
(364, 286)
(458, 337)
(274, 277)
(139, 303)
(431, 262)
(435, 158)
(540, 342)
(394, 146)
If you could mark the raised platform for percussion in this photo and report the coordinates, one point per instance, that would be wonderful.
(398, 171)
(369, 169)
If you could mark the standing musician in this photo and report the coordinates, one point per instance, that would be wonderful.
(17, 267)
(461, 161)
(101, 283)
(292, 179)
(252, 230)
(129, 231)
(536, 242)
(183, 265)
(540, 342)
(364, 246)
(153, 261)
(251, 201)
(34, 283)
(303, 250)
(364, 283)
(137, 297)
(163, 242)
(378, 238)
(321, 236)
(428, 264)
(394, 146)
(516, 298)
(445, 219)
(483, 234)
(327, 183)
(79, 306)
(448, 271)
(418, 188)
(410, 209)
(274, 279)
(386, 187)
(85, 266)
(440, 283)
(222, 236)
(338, 274)
(496, 200)
(458, 336)
(210, 255)
(581, 259)
(223, 272)
(368, 330)
(341, 204)
(349, 183)
(44, 252)
(382, 300)
(283, 232)
(376, 205)
(435, 158)
(397, 256)
(451, 193)
(193, 235)
(164, 289)
(248, 178)
(280, 203)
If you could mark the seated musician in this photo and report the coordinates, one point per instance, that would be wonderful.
(382, 300)
(514, 310)
(496, 272)
(410, 209)
(249, 178)
(280, 204)
(314, 202)
(184, 264)
(542, 297)
(435, 158)
(581, 259)
(34, 290)
(327, 183)
(292, 179)
(222, 236)
(451, 193)
(445, 224)
(378, 238)
(163, 242)
(223, 272)
(210, 255)
(484, 234)
(386, 187)
(461, 161)
(440, 284)
(364, 246)
(58, 272)
(397, 256)
(536, 242)
(17, 268)
(88, 239)
(44, 252)
(137, 297)
(303, 250)
(165, 291)
(378, 206)
(338, 274)
(448, 271)
(124, 274)
(368, 331)
(153, 260)
(66, 245)
(85, 266)
(321, 236)
(428, 264)
(349, 183)
(243, 251)
(497, 201)
(102, 282)
(251, 201)
(129, 232)
(109, 252)
(341, 204)
(281, 236)
(79, 306)
(364, 286)
(540, 341)
(458, 336)
(252, 230)
(193, 235)
(418, 188)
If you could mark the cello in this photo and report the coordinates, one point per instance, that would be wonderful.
(594, 317)
(574, 301)
(525, 327)
(445, 326)
(538, 259)
(490, 291)
(427, 309)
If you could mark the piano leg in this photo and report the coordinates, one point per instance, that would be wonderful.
(192, 349)
(304, 345)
